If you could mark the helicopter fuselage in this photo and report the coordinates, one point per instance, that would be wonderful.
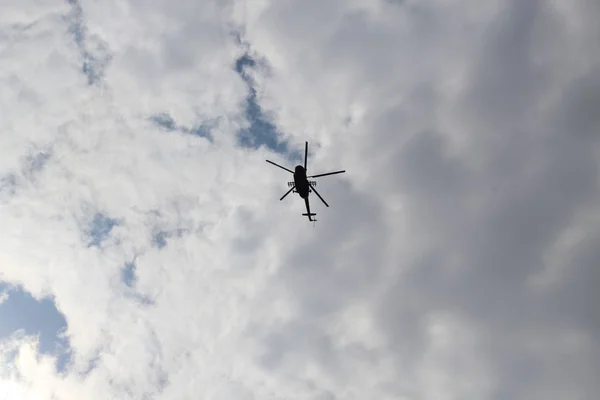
(301, 182)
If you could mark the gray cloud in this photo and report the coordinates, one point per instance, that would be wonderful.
(482, 219)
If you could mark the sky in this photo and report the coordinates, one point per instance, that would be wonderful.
(144, 252)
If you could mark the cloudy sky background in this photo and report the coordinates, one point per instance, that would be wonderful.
(144, 253)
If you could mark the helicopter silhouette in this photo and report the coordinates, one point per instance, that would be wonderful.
(302, 185)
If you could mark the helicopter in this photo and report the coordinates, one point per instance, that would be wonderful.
(302, 185)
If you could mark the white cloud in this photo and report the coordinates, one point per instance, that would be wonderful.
(471, 149)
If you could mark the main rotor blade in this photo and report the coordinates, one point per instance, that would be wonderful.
(329, 173)
(277, 165)
(288, 192)
(305, 155)
(317, 193)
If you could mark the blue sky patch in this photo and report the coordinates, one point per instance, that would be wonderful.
(8, 183)
(96, 61)
(90, 69)
(21, 311)
(244, 61)
(129, 279)
(203, 130)
(160, 238)
(100, 229)
(36, 162)
(128, 274)
(165, 121)
(262, 132)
